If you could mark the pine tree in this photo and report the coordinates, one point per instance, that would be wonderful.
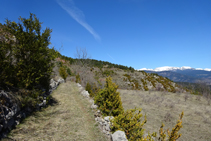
(108, 99)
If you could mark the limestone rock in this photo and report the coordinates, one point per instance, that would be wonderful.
(60, 80)
(108, 118)
(85, 93)
(119, 136)
(93, 106)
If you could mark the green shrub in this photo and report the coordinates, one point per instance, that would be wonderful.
(69, 71)
(63, 73)
(29, 98)
(26, 60)
(130, 122)
(88, 88)
(108, 99)
(107, 72)
(78, 79)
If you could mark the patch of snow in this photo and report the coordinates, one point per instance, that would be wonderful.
(207, 69)
(145, 69)
(167, 68)
(199, 69)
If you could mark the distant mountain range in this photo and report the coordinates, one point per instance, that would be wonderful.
(183, 74)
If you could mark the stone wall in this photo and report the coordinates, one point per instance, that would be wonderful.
(104, 122)
(11, 113)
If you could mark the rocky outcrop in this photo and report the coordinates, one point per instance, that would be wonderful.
(11, 113)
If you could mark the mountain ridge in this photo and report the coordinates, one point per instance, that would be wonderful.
(183, 74)
(168, 68)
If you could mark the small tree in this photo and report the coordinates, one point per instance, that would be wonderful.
(130, 123)
(88, 88)
(108, 99)
(63, 73)
(69, 71)
(26, 60)
(78, 79)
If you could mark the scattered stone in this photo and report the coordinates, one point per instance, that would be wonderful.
(93, 106)
(119, 136)
(108, 118)
(85, 93)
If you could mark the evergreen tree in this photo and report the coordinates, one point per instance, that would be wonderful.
(26, 60)
(108, 99)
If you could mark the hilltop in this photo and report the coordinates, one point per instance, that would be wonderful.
(95, 71)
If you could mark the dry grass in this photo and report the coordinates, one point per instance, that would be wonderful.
(70, 119)
(166, 107)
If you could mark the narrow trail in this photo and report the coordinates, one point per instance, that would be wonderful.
(71, 119)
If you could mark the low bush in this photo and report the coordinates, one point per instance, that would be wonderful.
(130, 122)
(108, 99)
(88, 88)
(69, 71)
(63, 73)
(78, 79)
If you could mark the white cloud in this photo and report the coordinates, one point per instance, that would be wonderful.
(78, 15)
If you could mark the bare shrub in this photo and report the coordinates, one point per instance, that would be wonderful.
(168, 117)
(208, 101)
(172, 105)
(198, 98)
(206, 120)
(198, 113)
(186, 97)
(178, 102)
(159, 87)
(162, 99)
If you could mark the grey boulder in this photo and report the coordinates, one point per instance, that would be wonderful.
(119, 136)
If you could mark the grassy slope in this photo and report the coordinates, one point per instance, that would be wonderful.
(70, 119)
(166, 107)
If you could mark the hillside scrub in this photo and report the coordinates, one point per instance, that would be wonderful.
(109, 102)
(164, 107)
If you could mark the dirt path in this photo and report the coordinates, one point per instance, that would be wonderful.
(71, 119)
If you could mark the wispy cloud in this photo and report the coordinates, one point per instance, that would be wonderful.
(78, 15)
(111, 57)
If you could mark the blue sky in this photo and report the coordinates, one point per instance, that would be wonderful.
(137, 33)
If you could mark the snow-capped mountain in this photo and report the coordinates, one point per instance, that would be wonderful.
(167, 68)
(183, 74)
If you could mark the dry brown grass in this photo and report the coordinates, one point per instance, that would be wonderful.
(166, 107)
(70, 119)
